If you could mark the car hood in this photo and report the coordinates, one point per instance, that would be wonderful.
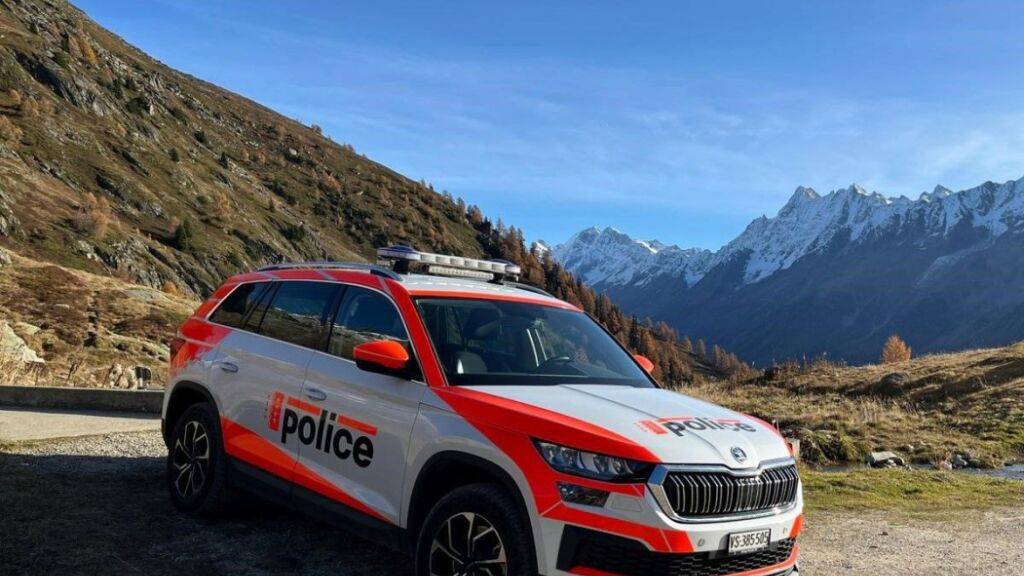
(675, 428)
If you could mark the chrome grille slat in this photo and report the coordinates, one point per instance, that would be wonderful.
(703, 494)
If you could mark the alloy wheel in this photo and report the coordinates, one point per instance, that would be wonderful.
(467, 544)
(191, 460)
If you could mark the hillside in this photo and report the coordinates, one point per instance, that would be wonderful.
(832, 274)
(927, 409)
(107, 153)
(150, 180)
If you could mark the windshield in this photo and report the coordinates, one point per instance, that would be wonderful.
(491, 342)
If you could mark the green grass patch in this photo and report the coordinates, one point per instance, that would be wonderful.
(911, 491)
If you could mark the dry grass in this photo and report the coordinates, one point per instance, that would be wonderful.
(84, 325)
(971, 402)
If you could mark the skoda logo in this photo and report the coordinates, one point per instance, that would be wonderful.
(739, 454)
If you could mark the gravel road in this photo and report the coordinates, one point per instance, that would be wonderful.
(97, 505)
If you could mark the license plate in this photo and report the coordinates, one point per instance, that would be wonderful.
(746, 542)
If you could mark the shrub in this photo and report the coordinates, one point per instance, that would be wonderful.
(9, 131)
(170, 288)
(183, 235)
(294, 232)
(895, 350)
(88, 54)
(175, 156)
(94, 218)
(30, 107)
(14, 96)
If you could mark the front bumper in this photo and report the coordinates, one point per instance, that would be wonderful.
(631, 535)
(585, 551)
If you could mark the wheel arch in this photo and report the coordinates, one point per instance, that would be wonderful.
(185, 393)
(449, 470)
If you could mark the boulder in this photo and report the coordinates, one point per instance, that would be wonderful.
(944, 465)
(12, 346)
(885, 459)
(959, 462)
(891, 385)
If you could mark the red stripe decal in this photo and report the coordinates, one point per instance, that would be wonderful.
(311, 408)
(652, 426)
(798, 527)
(771, 428)
(274, 414)
(250, 447)
(357, 425)
(542, 478)
(481, 407)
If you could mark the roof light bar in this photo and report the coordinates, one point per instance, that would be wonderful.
(401, 257)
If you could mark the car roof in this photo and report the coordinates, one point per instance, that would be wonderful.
(445, 286)
(415, 284)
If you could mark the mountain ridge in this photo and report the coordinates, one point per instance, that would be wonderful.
(849, 225)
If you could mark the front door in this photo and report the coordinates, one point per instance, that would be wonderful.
(363, 438)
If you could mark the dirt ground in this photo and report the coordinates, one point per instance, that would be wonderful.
(97, 505)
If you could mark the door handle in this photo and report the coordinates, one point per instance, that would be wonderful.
(228, 367)
(316, 394)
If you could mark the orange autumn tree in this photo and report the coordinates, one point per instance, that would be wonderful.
(895, 350)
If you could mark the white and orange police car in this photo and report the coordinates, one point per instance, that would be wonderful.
(483, 425)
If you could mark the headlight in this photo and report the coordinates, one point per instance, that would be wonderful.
(591, 465)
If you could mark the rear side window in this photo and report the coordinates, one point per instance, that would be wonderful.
(298, 313)
(233, 310)
(365, 316)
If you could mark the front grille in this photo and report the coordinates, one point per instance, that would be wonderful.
(617, 558)
(712, 494)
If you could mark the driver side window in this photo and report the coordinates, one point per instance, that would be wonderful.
(365, 316)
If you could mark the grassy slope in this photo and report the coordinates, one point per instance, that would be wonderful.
(52, 307)
(965, 402)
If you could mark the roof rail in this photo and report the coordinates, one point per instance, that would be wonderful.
(529, 288)
(360, 266)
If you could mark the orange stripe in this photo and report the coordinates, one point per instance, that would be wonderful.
(798, 526)
(356, 424)
(311, 408)
(653, 427)
(250, 447)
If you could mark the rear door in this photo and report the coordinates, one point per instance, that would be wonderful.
(260, 369)
(369, 416)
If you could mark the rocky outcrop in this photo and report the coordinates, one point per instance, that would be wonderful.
(14, 347)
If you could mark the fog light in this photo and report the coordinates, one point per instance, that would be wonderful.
(575, 494)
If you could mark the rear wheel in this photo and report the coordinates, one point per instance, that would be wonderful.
(475, 530)
(196, 464)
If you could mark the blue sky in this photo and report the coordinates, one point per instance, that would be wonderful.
(680, 121)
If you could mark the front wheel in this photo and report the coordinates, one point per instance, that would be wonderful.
(196, 463)
(476, 530)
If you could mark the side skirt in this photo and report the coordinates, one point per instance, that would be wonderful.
(262, 484)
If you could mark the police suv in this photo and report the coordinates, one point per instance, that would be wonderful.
(483, 425)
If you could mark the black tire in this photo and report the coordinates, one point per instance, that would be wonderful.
(478, 507)
(197, 468)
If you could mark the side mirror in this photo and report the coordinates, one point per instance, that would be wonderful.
(644, 363)
(383, 356)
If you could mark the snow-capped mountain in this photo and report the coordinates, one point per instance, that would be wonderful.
(858, 246)
(610, 258)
